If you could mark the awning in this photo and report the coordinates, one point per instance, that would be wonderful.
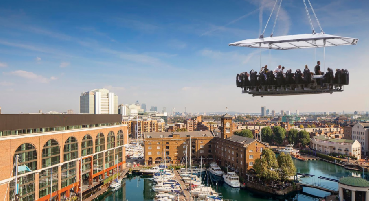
(299, 41)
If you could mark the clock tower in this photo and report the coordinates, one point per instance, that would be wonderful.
(226, 127)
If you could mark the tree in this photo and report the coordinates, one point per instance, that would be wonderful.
(245, 133)
(301, 126)
(308, 126)
(267, 134)
(279, 134)
(313, 126)
(292, 136)
(303, 138)
(286, 166)
(266, 166)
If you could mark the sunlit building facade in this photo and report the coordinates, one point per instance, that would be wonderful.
(58, 149)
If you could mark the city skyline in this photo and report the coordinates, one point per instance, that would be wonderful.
(49, 58)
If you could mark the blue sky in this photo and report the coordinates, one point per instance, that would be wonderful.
(172, 54)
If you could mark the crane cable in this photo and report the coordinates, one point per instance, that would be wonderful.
(275, 21)
(321, 29)
(262, 35)
(308, 14)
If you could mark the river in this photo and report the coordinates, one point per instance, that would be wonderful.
(137, 188)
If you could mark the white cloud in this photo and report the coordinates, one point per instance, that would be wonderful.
(5, 83)
(38, 59)
(30, 76)
(64, 64)
(3, 65)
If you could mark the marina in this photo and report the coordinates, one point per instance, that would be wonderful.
(139, 188)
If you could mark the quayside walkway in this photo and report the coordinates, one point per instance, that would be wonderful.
(183, 187)
(319, 188)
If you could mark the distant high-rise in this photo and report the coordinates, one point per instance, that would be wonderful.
(282, 112)
(70, 111)
(267, 112)
(164, 109)
(143, 106)
(99, 101)
(273, 113)
(263, 111)
(288, 112)
(154, 109)
(297, 112)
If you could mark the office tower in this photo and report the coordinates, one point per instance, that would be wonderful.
(164, 109)
(267, 112)
(297, 112)
(273, 113)
(143, 106)
(288, 112)
(154, 109)
(99, 101)
(282, 112)
(263, 111)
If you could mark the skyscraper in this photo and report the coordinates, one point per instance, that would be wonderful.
(164, 109)
(263, 111)
(154, 109)
(288, 112)
(143, 106)
(297, 112)
(282, 112)
(267, 112)
(273, 113)
(98, 101)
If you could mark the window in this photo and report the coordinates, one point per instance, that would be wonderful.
(167, 147)
(201, 146)
(200, 142)
(251, 163)
(261, 149)
(201, 151)
(158, 147)
(167, 153)
(184, 146)
(241, 162)
(158, 143)
(228, 130)
(167, 143)
(232, 152)
(241, 155)
(149, 153)
(158, 153)
(149, 147)
(251, 156)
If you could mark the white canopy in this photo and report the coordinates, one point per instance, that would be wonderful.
(299, 41)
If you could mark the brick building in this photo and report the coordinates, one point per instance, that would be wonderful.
(174, 145)
(59, 144)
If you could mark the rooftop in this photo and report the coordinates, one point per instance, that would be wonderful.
(181, 134)
(241, 139)
(325, 138)
(354, 181)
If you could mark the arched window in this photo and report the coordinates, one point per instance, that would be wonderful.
(69, 169)
(50, 157)
(99, 143)
(86, 145)
(120, 138)
(27, 158)
(98, 158)
(111, 140)
(86, 149)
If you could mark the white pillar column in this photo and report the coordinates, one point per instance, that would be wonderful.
(353, 195)
(340, 193)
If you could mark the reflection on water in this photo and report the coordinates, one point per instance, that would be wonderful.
(136, 188)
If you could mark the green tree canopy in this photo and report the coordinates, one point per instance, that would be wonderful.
(303, 138)
(267, 134)
(266, 167)
(286, 166)
(244, 133)
(292, 136)
(279, 134)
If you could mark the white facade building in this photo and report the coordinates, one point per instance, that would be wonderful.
(98, 101)
(327, 145)
(360, 132)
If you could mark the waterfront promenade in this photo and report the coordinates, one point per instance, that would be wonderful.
(187, 195)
